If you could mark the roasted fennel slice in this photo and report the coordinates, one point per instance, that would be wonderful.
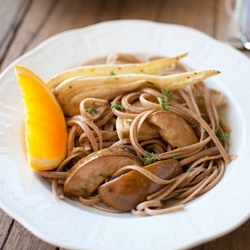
(153, 67)
(70, 92)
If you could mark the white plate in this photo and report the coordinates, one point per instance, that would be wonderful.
(27, 199)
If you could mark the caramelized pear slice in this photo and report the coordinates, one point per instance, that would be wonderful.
(128, 190)
(90, 172)
(173, 129)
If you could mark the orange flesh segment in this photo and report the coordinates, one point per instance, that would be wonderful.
(45, 126)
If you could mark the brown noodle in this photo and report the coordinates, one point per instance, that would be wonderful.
(203, 163)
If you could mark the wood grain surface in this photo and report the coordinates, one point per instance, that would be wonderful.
(26, 23)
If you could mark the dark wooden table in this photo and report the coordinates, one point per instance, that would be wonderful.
(26, 23)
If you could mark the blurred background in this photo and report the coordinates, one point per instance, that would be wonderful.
(26, 23)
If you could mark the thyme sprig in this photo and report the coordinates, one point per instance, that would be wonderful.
(117, 106)
(92, 110)
(221, 136)
(150, 158)
(163, 100)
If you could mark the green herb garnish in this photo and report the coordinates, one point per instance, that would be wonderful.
(163, 100)
(150, 158)
(92, 110)
(112, 73)
(163, 104)
(222, 137)
(116, 106)
(166, 93)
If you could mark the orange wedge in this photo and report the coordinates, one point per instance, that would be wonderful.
(45, 126)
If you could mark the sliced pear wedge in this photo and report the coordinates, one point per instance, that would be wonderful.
(128, 190)
(90, 172)
(173, 129)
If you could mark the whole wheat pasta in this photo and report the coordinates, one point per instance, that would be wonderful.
(203, 162)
